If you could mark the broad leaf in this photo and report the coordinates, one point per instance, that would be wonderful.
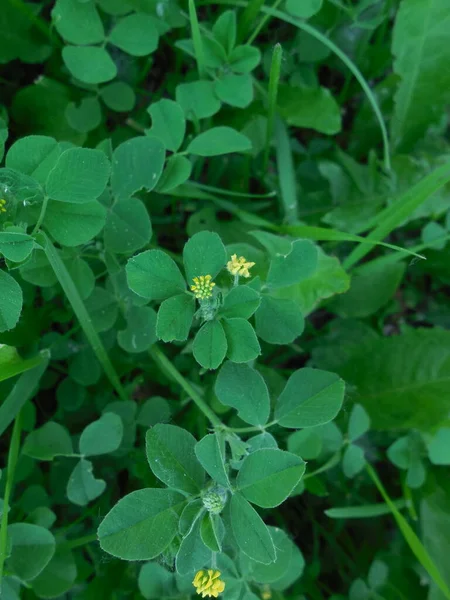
(250, 532)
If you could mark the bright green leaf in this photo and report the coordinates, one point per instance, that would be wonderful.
(135, 34)
(310, 108)
(82, 486)
(32, 548)
(311, 397)
(250, 532)
(103, 436)
(175, 317)
(77, 22)
(243, 345)
(170, 453)
(128, 226)
(168, 123)
(89, 64)
(244, 389)
(197, 99)
(154, 275)
(219, 140)
(74, 224)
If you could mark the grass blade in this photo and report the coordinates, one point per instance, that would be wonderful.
(82, 315)
(248, 17)
(22, 366)
(22, 391)
(411, 538)
(393, 216)
(324, 234)
(13, 455)
(274, 80)
(197, 40)
(286, 173)
(363, 512)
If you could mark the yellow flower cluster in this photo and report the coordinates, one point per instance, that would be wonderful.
(239, 266)
(2, 206)
(203, 287)
(208, 584)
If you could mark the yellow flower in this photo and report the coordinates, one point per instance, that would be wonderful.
(208, 584)
(266, 593)
(239, 266)
(203, 286)
(2, 206)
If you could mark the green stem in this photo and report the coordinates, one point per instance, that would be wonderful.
(248, 17)
(416, 546)
(197, 40)
(274, 80)
(82, 541)
(262, 428)
(83, 317)
(263, 21)
(161, 359)
(41, 216)
(11, 467)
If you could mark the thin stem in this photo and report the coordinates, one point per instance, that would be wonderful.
(248, 17)
(263, 22)
(274, 80)
(83, 317)
(161, 359)
(11, 467)
(261, 429)
(41, 215)
(82, 541)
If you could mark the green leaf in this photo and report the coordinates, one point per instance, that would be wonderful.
(154, 275)
(306, 443)
(276, 570)
(210, 453)
(309, 107)
(191, 512)
(3, 137)
(210, 345)
(58, 576)
(193, 554)
(154, 410)
(155, 582)
(299, 264)
(241, 301)
(137, 164)
(295, 568)
(32, 548)
(48, 441)
(329, 279)
(244, 389)
(212, 531)
(36, 270)
(135, 34)
(359, 423)
(389, 384)
(224, 30)
(235, 90)
(141, 525)
(219, 140)
(177, 171)
(78, 23)
(243, 59)
(420, 62)
(304, 9)
(311, 397)
(128, 226)
(82, 486)
(103, 436)
(11, 300)
(197, 99)
(140, 333)
(15, 246)
(11, 364)
(118, 96)
(268, 476)
(32, 155)
(175, 318)
(74, 224)
(170, 453)
(85, 117)
(353, 461)
(89, 64)
(369, 291)
(168, 123)
(243, 345)
(102, 308)
(80, 175)
(250, 532)
(278, 321)
(204, 254)
(439, 447)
